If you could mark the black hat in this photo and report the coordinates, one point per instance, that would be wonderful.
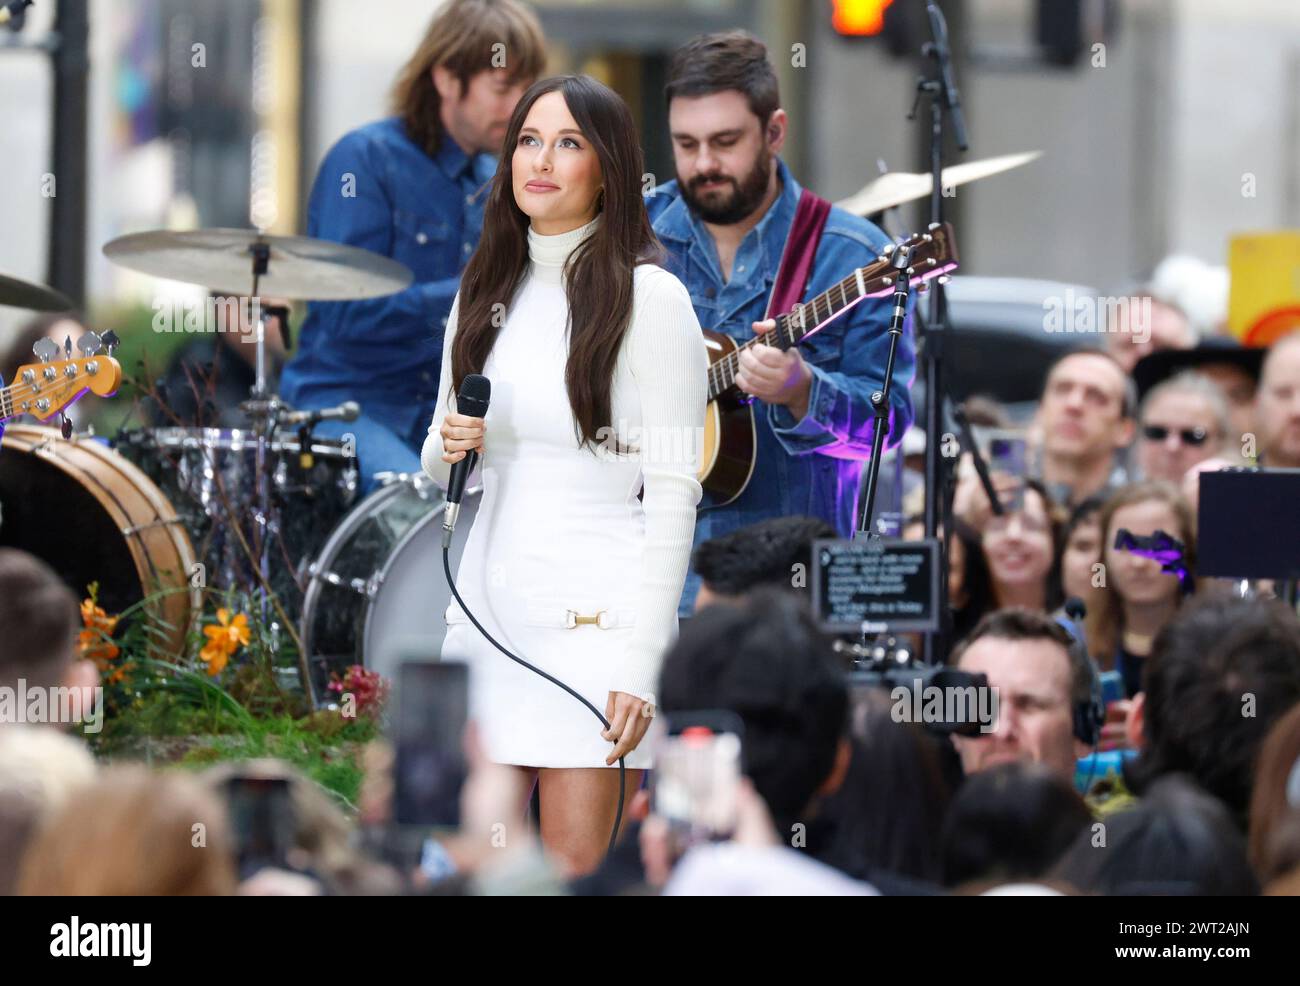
(1162, 364)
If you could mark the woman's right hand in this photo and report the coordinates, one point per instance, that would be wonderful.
(461, 434)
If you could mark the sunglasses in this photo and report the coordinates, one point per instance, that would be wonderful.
(1189, 436)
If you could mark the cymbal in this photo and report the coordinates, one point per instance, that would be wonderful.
(896, 187)
(299, 267)
(17, 293)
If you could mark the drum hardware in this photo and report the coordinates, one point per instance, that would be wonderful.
(209, 474)
(135, 531)
(288, 267)
(362, 587)
(421, 483)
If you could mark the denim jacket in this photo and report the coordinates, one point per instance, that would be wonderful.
(379, 190)
(810, 466)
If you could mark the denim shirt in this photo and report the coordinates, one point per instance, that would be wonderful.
(810, 466)
(379, 190)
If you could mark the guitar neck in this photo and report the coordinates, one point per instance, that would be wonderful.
(929, 254)
(7, 403)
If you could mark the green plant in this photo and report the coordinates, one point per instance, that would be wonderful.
(222, 697)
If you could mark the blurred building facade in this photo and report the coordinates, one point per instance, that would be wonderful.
(1184, 131)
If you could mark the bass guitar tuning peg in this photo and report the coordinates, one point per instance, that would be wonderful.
(89, 343)
(45, 349)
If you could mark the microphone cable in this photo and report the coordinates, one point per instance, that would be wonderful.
(622, 766)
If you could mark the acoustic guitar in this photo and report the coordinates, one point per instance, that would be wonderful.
(730, 439)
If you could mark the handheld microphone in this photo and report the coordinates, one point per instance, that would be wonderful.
(347, 411)
(475, 394)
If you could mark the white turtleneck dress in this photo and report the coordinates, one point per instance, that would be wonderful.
(560, 530)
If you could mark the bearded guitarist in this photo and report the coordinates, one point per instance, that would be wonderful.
(725, 222)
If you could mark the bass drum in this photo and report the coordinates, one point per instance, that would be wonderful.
(92, 516)
(377, 592)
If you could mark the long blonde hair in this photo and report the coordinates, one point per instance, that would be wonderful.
(1104, 623)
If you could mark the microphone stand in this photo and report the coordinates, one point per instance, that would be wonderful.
(899, 261)
(941, 89)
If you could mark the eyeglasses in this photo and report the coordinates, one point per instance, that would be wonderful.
(1189, 436)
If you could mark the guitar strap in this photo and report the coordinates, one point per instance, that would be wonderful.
(797, 257)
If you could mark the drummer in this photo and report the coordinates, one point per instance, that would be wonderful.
(411, 187)
(208, 379)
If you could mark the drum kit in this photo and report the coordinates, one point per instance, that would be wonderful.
(273, 510)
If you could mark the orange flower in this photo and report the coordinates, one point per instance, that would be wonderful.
(224, 638)
(93, 642)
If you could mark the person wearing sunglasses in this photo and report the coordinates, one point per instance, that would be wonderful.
(1182, 422)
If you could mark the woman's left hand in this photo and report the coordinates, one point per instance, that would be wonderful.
(629, 719)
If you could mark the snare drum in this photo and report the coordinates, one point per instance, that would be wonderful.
(92, 516)
(378, 588)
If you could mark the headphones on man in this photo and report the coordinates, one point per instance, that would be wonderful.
(1088, 715)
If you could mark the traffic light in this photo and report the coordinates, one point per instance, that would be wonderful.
(859, 18)
(899, 23)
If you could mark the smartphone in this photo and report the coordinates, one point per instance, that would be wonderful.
(697, 771)
(1008, 453)
(1112, 687)
(263, 820)
(429, 758)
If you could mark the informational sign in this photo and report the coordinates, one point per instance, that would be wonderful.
(871, 586)
(1264, 296)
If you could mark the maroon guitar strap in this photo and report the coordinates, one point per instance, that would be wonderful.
(797, 257)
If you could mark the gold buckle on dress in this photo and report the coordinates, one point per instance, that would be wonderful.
(572, 619)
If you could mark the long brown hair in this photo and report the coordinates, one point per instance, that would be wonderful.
(598, 274)
(1105, 619)
(462, 38)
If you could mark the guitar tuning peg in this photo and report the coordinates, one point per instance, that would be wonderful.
(110, 340)
(45, 349)
(67, 347)
(65, 425)
(89, 343)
